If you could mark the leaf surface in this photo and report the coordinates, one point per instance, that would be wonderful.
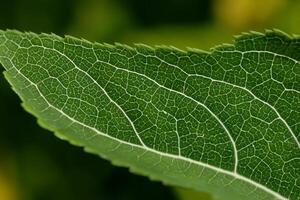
(225, 121)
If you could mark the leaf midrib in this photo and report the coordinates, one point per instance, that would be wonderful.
(159, 85)
(191, 75)
(158, 152)
(183, 94)
(220, 81)
(98, 133)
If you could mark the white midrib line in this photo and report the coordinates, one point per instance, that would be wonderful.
(104, 91)
(161, 153)
(240, 87)
(203, 105)
(115, 103)
(169, 89)
(243, 88)
(190, 98)
(218, 170)
(199, 103)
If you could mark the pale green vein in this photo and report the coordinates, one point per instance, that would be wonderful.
(263, 148)
(243, 88)
(180, 93)
(199, 103)
(218, 170)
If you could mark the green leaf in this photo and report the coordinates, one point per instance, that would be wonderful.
(225, 121)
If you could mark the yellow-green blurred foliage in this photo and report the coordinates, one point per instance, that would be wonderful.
(8, 190)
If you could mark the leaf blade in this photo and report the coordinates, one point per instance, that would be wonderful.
(171, 80)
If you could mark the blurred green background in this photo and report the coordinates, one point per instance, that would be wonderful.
(34, 165)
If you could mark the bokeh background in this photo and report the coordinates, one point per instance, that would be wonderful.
(34, 165)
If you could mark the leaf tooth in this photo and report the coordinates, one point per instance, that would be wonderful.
(124, 46)
(278, 32)
(107, 45)
(191, 50)
(177, 49)
(222, 47)
(296, 36)
(247, 36)
(13, 31)
(143, 46)
(56, 36)
(165, 47)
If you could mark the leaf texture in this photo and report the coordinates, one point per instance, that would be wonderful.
(225, 121)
